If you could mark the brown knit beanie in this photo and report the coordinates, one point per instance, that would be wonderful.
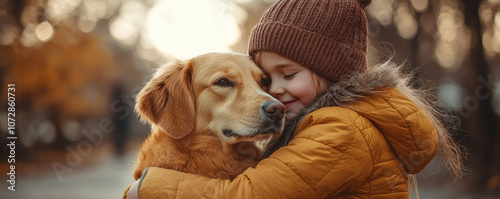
(327, 36)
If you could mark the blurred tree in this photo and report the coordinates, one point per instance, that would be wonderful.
(445, 37)
(59, 71)
(485, 121)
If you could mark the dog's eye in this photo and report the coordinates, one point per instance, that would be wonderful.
(223, 82)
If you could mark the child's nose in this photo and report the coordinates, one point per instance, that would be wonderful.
(276, 89)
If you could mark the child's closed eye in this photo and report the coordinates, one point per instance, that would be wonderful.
(289, 76)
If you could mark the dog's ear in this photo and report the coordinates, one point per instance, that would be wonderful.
(167, 100)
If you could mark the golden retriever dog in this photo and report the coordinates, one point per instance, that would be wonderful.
(206, 115)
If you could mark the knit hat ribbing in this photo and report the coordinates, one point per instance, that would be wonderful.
(326, 36)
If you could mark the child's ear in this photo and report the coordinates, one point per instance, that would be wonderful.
(167, 100)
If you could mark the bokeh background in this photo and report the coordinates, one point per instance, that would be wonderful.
(77, 65)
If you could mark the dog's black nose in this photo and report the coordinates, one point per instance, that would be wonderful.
(274, 109)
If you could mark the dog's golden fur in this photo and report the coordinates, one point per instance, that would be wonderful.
(206, 114)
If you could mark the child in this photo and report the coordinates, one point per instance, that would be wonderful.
(352, 131)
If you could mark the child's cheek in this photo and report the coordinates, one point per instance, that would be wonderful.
(306, 93)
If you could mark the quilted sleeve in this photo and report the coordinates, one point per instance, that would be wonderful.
(326, 157)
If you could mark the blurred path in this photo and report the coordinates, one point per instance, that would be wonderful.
(434, 182)
(107, 178)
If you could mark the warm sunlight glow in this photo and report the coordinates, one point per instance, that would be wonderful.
(44, 31)
(420, 5)
(123, 31)
(8, 34)
(60, 10)
(382, 11)
(404, 21)
(126, 27)
(453, 38)
(28, 37)
(187, 28)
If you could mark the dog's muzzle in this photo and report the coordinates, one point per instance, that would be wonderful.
(272, 120)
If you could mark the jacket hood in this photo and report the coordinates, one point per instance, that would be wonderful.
(381, 95)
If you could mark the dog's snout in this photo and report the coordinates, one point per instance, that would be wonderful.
(274, 109)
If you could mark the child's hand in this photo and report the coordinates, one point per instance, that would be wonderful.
(133, 191)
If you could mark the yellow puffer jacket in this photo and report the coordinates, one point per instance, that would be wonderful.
(337, 153)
